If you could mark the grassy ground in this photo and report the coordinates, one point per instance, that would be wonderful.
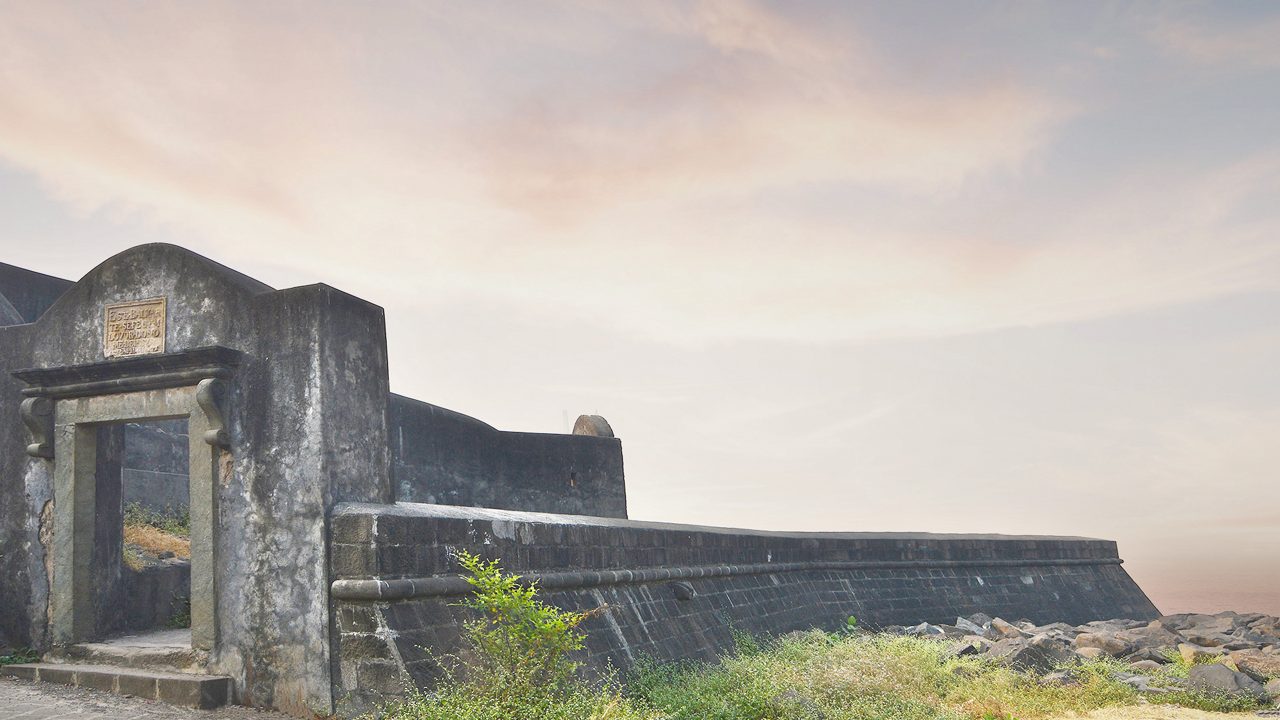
(834, 677)
(150, 534)
(521, 669)
(1152, 712)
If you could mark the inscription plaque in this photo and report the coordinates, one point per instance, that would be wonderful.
(134, 328)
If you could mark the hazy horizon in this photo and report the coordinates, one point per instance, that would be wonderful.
(963, 267)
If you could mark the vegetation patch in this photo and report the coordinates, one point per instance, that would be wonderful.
(519, 667)
(151, 536)
(20, 656)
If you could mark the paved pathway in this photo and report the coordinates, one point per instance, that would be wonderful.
(48, 701)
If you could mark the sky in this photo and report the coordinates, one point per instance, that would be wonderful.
(955, 267)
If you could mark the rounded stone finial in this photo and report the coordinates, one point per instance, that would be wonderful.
(593, 425)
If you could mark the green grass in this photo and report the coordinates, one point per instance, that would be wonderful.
(19, 657)
(460, 702)
(170, 520)
(868, 677)
(521, 670)
(820, 675)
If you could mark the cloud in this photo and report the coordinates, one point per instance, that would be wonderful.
(759, 102)
(652, 167)
(1252, 45)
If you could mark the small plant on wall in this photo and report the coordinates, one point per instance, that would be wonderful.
(519, 640)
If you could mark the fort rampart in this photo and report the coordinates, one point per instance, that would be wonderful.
(324, 510)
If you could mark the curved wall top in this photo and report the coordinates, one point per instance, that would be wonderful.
(207, 303)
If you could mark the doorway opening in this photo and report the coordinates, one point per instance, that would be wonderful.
(142, 549)
(155, 504)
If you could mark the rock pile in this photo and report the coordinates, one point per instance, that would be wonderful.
(1232, 653)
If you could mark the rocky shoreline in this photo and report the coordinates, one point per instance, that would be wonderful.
(1230, 653)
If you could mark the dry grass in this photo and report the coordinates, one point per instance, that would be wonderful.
(155, 541)
(1153, 712)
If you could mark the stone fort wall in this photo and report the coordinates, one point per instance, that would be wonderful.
(444, 457)
(332, 579)
(677, 591)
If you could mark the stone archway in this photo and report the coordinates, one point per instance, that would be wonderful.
(65, 408)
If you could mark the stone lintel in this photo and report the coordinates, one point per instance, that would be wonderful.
(132, 374)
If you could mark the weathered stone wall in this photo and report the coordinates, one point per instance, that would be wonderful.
(156, 594)
(24, 296)
(443, 457)
(677, 590)
(306, 423)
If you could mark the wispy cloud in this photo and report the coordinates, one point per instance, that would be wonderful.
(1205, 41)
(629, 165)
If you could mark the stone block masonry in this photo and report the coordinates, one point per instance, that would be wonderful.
(678, 591)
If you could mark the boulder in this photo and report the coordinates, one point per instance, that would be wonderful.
(1058, 646)
(1193, 654)
(1273, 689)
(951, 631)
(980, 619)
(1268, 626)
(1108, 642)
(1090, 653)
(969, 626)
(1062, 678)
(970, 645)
(1141, 683)
(924, 629)
(1218, 678)
(1149, 636)
(1058, 628)
(1152, 654)
(1145, 666)
(1021, 654)
(1000, 629)
(1256, 664)
(1206, 638)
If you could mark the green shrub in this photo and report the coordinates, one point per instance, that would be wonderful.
(519, 641)
(519, 666)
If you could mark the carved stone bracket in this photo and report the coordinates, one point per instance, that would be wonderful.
(37, 414)
(211, 393)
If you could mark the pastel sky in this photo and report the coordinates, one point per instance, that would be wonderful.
(971, 267)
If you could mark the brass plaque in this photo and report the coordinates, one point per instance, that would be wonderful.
(134, 328)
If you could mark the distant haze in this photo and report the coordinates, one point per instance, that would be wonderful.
(957, 267)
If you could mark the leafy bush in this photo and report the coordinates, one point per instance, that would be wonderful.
(520, 666)
(519, 640)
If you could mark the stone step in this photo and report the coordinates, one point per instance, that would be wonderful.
(182, 689)
(139, 655)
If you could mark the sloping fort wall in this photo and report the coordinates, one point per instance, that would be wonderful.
(677, 591)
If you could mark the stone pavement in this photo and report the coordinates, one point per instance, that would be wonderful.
(49, 701)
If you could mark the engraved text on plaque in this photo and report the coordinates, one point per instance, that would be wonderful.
(134, 328)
